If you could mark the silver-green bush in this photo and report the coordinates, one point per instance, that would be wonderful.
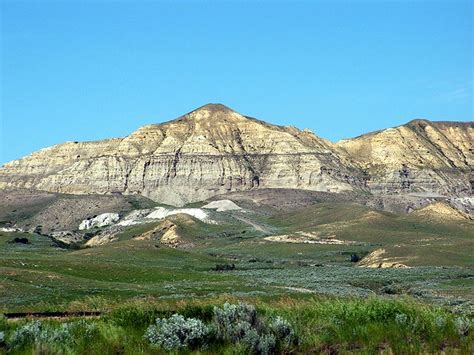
(283, 331)
(240, 324)
(177, 332)
(27, 334)
(234, 321)
(66, 334)
(463, 325)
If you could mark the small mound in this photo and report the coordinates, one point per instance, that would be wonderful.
(376, 260)
(183, 219)
(101, 239)
(441, 211)
(372, 216)
(157, 232)
(167, 232)
(171, 238)
(222, 206)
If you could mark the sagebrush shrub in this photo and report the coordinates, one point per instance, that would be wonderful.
(232, 321)
(440, 321)
(462, 325)
(237, 324)
(401, 319)
(79, 330)
(61, 336)
(240, 324)
(177, 332)
(283, 331)
(27, 334)
(66, 334)
(266, 344)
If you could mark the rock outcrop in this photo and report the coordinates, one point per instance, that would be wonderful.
(378, 259)
(431, 158)
(214, 150)
(102, 220)
(222, 206)
(209, 151)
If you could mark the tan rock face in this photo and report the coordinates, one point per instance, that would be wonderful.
(214, 150)
(378, 259)
(419, 157)
(210, 151)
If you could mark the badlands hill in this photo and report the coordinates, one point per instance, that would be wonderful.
(420, 156)
(206, 152)
(214, 150)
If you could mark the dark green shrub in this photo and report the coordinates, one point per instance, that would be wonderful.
(355, 258)
(202, 312)
(224, 267)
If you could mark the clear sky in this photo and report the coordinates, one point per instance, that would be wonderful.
(87, 70)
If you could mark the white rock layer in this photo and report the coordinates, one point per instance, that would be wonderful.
(102, 220)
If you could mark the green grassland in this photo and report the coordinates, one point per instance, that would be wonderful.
(292, 279)
(40, 275)
(310, 325)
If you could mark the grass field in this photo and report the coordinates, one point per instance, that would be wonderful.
(295, 280)
(284, 325)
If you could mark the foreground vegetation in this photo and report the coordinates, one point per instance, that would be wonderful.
(308, 298)
(284, 325)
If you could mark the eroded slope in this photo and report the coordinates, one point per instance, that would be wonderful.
(210, 151)
(423, 157)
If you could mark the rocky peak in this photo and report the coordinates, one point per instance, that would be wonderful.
(214, 108)
(206, 152)
(419, 122)
(213, 113)
(213, 150)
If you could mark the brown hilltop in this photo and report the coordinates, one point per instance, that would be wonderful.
(209, 151)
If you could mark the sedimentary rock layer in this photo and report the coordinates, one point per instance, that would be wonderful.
(434, 158)
(209, 151)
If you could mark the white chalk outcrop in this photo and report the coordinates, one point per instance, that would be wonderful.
(161, 212)
(145, 216)
(10, 229)
(222, 206)
(102, 220)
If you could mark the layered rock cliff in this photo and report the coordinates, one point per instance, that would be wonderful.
(209, 151)
(431, 158)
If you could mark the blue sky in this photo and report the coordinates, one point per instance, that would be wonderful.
(87, 70)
